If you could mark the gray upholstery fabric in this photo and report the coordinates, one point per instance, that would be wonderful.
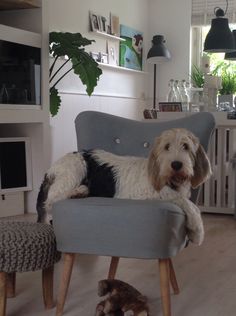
(26, 246)
(124, 228)
(119, 227)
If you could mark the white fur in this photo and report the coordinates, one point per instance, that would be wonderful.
(134, 176)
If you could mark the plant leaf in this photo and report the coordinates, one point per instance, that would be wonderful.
(87, 69)
(55, 101)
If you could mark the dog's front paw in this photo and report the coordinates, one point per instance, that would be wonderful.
(196, 236)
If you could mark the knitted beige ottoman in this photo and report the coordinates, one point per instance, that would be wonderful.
(26, 247)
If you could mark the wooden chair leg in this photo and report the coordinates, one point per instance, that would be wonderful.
(65, 281)
(11, 284)
(173, 280)
(47, 283)
(113, 267)
(165, 286)
(3, 293)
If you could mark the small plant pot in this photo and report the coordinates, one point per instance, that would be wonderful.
(226, 98)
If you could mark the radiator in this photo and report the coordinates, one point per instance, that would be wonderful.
(218, 193)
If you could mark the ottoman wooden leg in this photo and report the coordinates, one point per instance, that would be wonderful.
(47, 280)
(3, 293)
(11, 284)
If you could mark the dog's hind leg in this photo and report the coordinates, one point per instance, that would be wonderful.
(42, 197)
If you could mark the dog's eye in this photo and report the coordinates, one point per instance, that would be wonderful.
(167, 146)
(186, 146)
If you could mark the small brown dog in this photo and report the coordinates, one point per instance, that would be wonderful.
(122, 300)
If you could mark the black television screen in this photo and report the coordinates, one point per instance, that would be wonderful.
(13, 164)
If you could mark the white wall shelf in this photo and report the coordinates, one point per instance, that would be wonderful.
(19, 36)
(106, 35)
(119, 68)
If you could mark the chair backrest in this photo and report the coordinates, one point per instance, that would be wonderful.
(97, 130)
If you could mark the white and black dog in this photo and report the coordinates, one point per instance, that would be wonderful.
(176, 163)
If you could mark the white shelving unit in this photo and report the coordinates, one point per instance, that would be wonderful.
(27, 24)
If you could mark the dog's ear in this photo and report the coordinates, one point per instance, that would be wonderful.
(154, 167)
(202, 168)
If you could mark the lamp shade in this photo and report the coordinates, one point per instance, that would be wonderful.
(158, 52)
(232, 55)
(220, 38)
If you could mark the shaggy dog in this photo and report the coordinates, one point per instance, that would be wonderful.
(176, 163)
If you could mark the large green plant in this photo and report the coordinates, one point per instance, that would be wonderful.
(71, 46)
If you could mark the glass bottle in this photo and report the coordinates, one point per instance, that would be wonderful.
(171, 97)
(4, 97)
(184, 96)
(177, 91)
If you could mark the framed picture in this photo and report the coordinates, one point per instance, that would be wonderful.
(112, 55)
(104, 58)
(170, 107)
(94, 21)
(131, 50)
(96, 56)
(115, 24)
(103, 23)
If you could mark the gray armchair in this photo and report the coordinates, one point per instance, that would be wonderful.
(121, 227)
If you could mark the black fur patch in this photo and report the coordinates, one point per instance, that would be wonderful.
(100, 179)
(42, 197)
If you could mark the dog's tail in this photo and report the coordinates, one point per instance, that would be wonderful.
(42, 197)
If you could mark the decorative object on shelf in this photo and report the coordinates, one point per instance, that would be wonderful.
(131, 50)
(197, 77)
(71, 45)
(96, 56)
(104, 58)
(112, 54)
(4, 95)
(220, 38)
(170, 106)
(95, 21)
(232, 55)
(157, 54)
(114, 25)
(103, 23)
(210, 89)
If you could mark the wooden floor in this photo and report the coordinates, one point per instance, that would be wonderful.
(206, 276)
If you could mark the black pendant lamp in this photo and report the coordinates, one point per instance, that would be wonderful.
(232, 55)
(220, 38)
(158, 52)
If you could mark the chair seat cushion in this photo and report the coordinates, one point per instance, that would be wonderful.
(119, 227)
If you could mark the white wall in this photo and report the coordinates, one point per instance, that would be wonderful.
(119, 93)
(171, 19)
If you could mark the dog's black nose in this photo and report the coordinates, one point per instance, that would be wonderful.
(176, 165)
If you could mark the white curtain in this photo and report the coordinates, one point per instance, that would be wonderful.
(203, 11)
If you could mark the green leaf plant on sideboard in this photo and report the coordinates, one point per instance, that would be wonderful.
(70, 46)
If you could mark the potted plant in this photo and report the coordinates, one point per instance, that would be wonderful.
(228, 82)
(70, 47)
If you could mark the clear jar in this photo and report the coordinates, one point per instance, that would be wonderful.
(184, 96)
(171, 97)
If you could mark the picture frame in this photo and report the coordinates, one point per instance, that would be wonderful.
(94, 21)
(104, 58)
(96, 56)
(115, 24)
(170, 106)
(103, 23)
(112, 54)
